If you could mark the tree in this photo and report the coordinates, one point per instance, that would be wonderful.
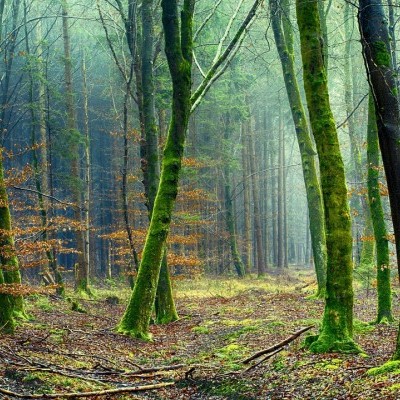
(337, 326)
(178, 49)
(283, 33)
(179, 53)
(82, 267)
(378, 220)
(382, 79)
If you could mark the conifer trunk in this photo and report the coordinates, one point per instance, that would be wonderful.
(261, 267)
(82, 270)
(178, 49)
(378, 219)
(229, 209)
(337, 326)
(246, 205)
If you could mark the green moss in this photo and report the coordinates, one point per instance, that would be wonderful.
(381, 54)
(389, 367)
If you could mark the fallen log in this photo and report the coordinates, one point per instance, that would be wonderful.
(278, 345)
(87, 394)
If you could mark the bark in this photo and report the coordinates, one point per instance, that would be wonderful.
(283, 34)
(165, 305)
(246, 206)
(229, 209)
(382, 78)
(42, 178)
(11, 306)
(87, 171)
(337, 326)
(81, 270)
(178, 49)
(261, 267)
(361, 201)
(378, 218)
(280, 200)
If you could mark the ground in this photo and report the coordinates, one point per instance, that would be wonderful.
(222, 322)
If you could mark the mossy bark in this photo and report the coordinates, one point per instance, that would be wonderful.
(283, 33)
(165, 306)
(11, 306)
(178, 49)
(337, 325)
(378, 219)
(383, 81)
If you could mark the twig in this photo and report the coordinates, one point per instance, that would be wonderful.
(48, 196)
(264, 359)
(277, 346)
(87, 394)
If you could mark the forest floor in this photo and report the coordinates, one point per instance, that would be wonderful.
(222, 322)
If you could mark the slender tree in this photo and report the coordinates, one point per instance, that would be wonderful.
(178, 48)
(378, 219)
(283, 33)
(337, 326)
(82, 268)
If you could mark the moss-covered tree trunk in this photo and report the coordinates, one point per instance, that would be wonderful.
(337, 326)
(382, 78)
(178, 49)
(164, 306)
(11, 306)
(283, 33)
(378, 220)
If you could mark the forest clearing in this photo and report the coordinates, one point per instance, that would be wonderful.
(223, 321)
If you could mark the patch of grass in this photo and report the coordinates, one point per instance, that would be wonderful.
(226, 288)
(41, 302)
(230, 355)
(231, 388)
(203, 330)
(245, 329)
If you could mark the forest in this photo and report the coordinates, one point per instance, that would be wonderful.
(199, 199)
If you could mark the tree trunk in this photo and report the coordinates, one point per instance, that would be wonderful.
(82, 276)
(246, 205)
(165, 305)
(378, 219)
(361, 204)
(382, 79)
(229, 209)
(261, 267)
(11, 306)
(337, 325)
(283, 33)
(178, 49)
